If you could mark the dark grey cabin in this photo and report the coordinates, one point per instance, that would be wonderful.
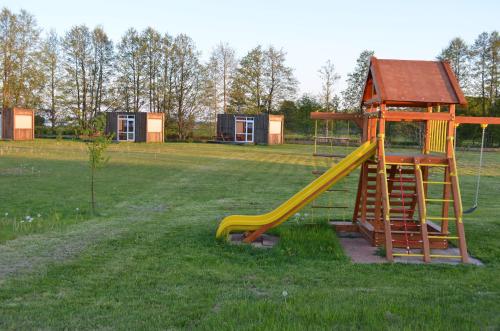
(250, 129)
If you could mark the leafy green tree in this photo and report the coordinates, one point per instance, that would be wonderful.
(262, 81)
(298, 114)
(355, 82)
(484, 69)
(22, 78)
(278, 80)
(457, 54)
(97, 143)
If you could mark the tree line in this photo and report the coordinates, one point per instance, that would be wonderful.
(76, 76)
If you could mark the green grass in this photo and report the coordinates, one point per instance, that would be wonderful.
(149, 260)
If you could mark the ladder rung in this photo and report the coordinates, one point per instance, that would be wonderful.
(402, 210)
(437, 183)
(400, 163)
(439, 200)
(402, 195)
(442, 237)
(404, 180)
(433, 165)
(441, 218)
(406, 241)
(403, 254)
(445, 256)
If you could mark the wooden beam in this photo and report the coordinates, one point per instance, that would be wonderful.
(397, 116)
(477, 120)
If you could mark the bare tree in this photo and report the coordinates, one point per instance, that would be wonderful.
(279, 81)
(87, 62)
(329, 78)
(186, 84)
(165, 88)
(131, 67)
(153, 56)
(51, 57)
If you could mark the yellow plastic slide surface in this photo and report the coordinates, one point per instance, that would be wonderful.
(242, 223)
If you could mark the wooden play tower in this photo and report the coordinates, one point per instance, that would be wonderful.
(410, 204)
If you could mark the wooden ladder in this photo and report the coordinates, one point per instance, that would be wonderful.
(415, 233)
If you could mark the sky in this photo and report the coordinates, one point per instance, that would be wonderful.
(310, 32)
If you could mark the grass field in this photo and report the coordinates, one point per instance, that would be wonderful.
(150, 260)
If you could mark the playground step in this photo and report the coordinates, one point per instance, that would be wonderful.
(439, 200)
(437, 183)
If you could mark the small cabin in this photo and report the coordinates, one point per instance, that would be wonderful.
(136, 127)
(250, 129)
(17, 124)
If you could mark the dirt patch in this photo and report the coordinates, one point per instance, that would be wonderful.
(360, 251)
(264, 241)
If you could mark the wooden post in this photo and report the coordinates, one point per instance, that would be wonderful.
(422, 213)
(383, 198)
(427, 137)
(355, 214)
(455, 186)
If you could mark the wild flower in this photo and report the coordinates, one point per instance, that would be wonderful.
(77, 209)
(6, 214)
(39, 215)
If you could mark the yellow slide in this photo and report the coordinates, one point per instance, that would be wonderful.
(242, 223)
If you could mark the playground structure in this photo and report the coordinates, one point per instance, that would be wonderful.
(404, 202)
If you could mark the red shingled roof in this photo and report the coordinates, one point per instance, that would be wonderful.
(411, 83)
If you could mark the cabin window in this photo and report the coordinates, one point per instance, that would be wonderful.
(244, 129)
(154, 125)
(24, 122)
(275, 127)
(126, 127)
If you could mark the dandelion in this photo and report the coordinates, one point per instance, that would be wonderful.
(6, 214)
(39, 215)
(77, 209)
(284, 294)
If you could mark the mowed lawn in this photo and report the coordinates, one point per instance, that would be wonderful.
(149, 259)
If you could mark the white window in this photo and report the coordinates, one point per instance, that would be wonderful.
(154, 125)
(275, 127)
(24, 122)
(244, 129)
(126, 128)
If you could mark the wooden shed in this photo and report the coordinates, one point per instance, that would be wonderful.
(251, 129)
(17, 124)
(136, 127)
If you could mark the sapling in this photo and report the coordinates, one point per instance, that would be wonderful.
(97, 142)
